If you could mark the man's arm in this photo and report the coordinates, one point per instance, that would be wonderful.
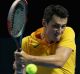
(58, 59)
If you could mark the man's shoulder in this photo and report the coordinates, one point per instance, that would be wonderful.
(29, 38)
(69, 30)
(25, 38)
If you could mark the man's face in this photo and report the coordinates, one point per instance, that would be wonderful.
(55, 28)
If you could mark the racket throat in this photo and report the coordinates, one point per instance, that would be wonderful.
(18, 43)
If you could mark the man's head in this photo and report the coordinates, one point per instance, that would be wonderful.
(54, 21)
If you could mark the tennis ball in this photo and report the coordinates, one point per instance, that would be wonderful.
(31, 69)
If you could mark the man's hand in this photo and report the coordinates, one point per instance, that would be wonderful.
(19, 62)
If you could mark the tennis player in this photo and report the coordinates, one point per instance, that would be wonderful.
(53, 44)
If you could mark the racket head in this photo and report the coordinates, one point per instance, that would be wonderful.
(17, 18)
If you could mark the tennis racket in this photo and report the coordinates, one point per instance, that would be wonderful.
(16, 22)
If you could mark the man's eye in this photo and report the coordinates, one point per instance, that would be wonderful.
(55, 26)
(58, 26)
(63, 26)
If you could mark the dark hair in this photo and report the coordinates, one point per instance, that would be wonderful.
(55, 10)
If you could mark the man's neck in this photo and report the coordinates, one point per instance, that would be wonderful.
(46, 39)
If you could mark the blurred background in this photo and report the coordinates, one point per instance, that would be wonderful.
(35, 14)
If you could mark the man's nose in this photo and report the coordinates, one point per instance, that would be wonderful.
(59, 30)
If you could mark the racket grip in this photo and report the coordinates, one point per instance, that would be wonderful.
(20, 64)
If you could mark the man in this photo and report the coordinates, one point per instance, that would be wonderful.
(53, 44)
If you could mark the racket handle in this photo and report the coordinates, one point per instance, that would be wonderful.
(20, 64)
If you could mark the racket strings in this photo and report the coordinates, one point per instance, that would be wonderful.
(17, 19)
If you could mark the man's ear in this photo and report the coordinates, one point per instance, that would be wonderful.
(44, 23)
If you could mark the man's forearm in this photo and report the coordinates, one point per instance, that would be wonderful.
(43, 60)
(40, 63)
(43, 64)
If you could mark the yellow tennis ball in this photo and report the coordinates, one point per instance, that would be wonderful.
(31, 69)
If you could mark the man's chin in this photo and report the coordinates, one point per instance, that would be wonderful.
(57, 39)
